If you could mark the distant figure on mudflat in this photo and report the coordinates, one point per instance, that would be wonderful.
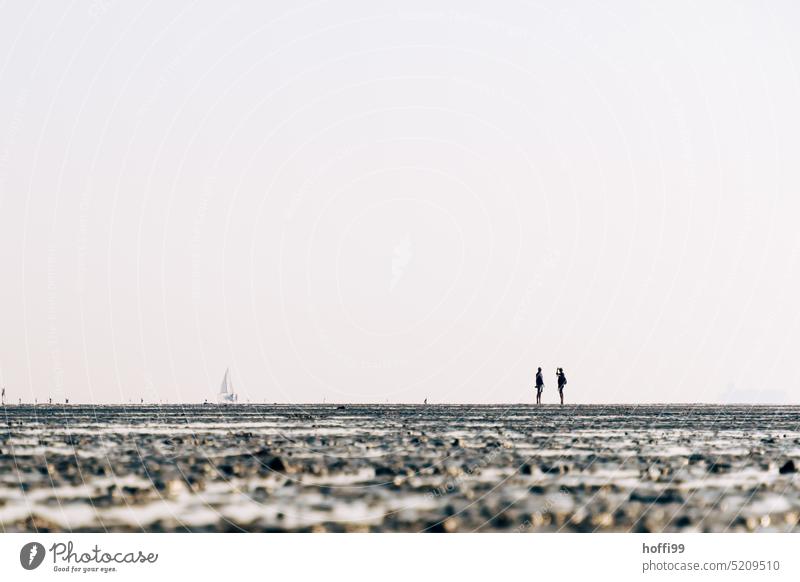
(562, 381)
(539, 386)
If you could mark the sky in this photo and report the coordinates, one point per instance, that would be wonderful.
(372, 201)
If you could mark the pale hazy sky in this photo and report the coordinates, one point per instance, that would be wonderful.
(368, 200)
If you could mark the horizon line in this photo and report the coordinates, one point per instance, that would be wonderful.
(533, 404)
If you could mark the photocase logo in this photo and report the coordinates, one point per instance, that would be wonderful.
(31, 555)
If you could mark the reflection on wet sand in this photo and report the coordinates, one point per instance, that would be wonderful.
(399, 468)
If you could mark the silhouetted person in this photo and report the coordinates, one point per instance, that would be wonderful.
(426, 401)
(539, 386)
(562, 381)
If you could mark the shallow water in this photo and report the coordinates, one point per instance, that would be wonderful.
(399, 468)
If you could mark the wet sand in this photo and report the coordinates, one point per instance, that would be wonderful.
(399, 468)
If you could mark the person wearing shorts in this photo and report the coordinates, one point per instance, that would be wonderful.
(539, 386)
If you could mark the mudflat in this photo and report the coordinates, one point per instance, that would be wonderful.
(399, 468)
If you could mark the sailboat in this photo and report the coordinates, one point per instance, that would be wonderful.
(226, 394)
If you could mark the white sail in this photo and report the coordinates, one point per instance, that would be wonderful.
(226, 393)
(224, 388)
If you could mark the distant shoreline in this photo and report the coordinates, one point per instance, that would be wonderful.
(379, 404)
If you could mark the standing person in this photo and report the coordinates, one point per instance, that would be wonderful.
(562, 381)
(539, 386)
